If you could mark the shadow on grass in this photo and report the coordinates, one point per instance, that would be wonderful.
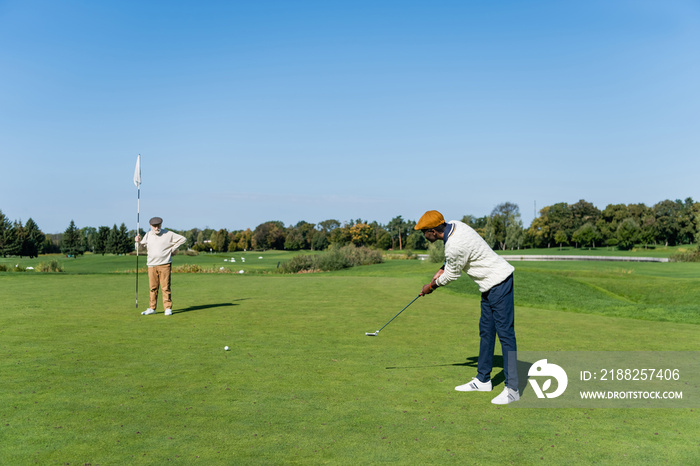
(499, 378)
(207, 306)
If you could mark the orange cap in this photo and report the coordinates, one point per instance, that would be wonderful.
(430, 219)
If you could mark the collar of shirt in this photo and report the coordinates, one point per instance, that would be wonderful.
(449, 229)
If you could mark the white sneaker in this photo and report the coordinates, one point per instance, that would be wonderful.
(475, 386)
(168, 312)
(148, 312)
(508, 395)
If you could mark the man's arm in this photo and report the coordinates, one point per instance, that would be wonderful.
(142, 241)
(177, 241)
(432, 286)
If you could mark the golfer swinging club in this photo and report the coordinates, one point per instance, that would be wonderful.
(161, 244)
(466, 251)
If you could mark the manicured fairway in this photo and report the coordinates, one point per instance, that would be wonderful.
(86, 379)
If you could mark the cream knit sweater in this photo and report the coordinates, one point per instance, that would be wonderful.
(466, 251)
(161, 247)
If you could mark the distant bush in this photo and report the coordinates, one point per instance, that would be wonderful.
(194, 268)
(334, 259)
(686, 256)
(51, 266)
(436, 252)
(301, 263)
(188, 268)
(3, 268)
(407, 255)
(361, 255)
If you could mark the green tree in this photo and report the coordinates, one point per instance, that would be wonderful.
(583, 212)
(504, 227)
(399, 230)
(269, 235)
(341, 236)
(319, 240)
(219, 241)
(191, 237)
(557, 217)
(294, 240)
(89, 236)
(610, 218)
(686, 222)
(299, 236)
(10, 244)
(416, 240)
(490, 233)
(32, 239)
(628, 233)
(112, 246)
(560, 238)
(321, 236)
(101, 239)
(384, 240)
(126, 241)
(72, 242)
(515, 234)
(475, 222)
(696, 221)
(245, 243)
(647, 233)
(586, 235)
(667, 215)
(328, 225)
(478, 224)
(51, 244)
(539, 231)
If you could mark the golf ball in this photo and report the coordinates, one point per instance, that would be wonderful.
(225, 348)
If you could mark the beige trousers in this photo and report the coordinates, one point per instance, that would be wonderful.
(159, 276)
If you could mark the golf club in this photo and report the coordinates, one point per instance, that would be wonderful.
(377, 332)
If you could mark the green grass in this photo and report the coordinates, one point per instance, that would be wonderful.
(255, 262)
(638, 251)
(87, 379)
(649, 291)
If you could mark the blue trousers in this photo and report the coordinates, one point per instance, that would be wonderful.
(498, 318)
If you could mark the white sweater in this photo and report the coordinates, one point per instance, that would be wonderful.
(466, 251)
(161, 247)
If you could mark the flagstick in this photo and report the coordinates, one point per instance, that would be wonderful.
(138, 232)
(137, 182)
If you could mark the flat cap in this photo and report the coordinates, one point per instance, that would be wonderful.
(430, 219)
(156, 221)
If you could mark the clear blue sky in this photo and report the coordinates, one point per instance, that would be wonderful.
(249, 111)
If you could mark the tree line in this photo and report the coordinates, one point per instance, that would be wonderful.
(581, 224)
(17, 239)
(668, 223)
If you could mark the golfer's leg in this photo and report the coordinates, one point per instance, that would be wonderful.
(165, 286)
(487, 334)
(504, 316)
(153, 287)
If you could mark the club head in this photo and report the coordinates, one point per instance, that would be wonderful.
(371, 334)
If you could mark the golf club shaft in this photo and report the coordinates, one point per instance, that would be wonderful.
(398, 314)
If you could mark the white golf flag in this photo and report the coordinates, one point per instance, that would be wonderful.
(137, 172)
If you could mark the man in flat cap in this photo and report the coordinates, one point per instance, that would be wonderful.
(160, 244)
(466, 251)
